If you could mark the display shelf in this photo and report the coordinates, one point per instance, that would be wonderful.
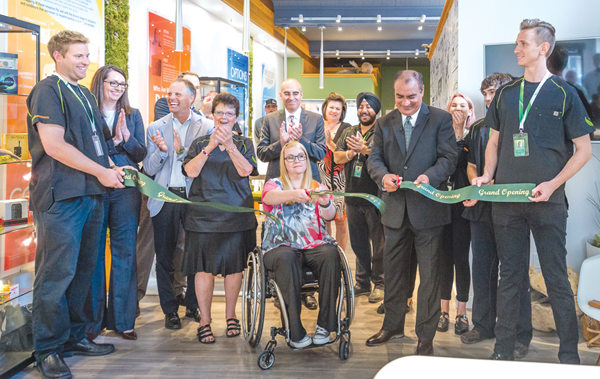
(8, 229)
(15, 361)
(25, 161)
(22, 292)
(14, 94)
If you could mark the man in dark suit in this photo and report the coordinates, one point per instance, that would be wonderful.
(292, 123)
(414, 142)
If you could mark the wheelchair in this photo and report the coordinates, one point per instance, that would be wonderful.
(258, 285)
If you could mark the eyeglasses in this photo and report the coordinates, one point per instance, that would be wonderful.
(117, 84)
(292, 158)
(228, 114)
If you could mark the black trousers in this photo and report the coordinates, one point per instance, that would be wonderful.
(548, 224)
(66, 253)
(485, 285)
(366, 239)
(167, 225)
(455, 256)
(324, 261)
(396, 267)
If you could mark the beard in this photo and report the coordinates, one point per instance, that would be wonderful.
(369, 121)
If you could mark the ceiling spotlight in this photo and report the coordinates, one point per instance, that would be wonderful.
(387, 58)
(339, 28)
(304, 28)
(338, 19)
(337, 53)
(379, 28)
(423, 18)
(420, 27)
(388, 52)
(379, 18)
(362, 58)
(300, 18)
(417, 52)
(338, 58)
(361, 52)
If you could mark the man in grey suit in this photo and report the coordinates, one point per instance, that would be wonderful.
(292, 123)
(168, 141)
(415, 142)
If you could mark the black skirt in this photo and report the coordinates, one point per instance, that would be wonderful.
(217, 253)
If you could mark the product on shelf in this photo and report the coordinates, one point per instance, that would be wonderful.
(9, 75)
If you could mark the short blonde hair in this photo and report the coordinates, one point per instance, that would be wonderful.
(62, 40)
(307, 180)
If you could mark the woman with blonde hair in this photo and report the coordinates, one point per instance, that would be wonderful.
(304, 240)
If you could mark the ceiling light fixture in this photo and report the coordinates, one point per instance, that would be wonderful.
(379, 18)
(361, 52)
(420, 27)
(423, 18)
(387, 58)
(304, 28)
(337, 53)
(417, 52)
(388, 52)
(339, 18)
(300, 18)
(362, 58)
(379, 28)
(339, 28)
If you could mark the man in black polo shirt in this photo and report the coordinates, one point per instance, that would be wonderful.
(485, 256)
(70, 170)
(535, 122)
(364, 220)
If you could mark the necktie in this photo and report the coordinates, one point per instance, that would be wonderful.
(408, 127)
(291, 123)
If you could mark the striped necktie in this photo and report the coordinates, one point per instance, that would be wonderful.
(408, 128)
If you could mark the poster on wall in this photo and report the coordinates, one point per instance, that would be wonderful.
(237, 69)
(268, 85)
(164, 64)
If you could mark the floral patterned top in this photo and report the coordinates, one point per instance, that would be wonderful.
(303, 226)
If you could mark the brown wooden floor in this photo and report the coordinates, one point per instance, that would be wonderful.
(162, 353)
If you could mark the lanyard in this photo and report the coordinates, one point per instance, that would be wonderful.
(91, 112)
(523, 116)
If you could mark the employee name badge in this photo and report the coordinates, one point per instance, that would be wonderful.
(357, 170)
(521, 144)
(97, 145)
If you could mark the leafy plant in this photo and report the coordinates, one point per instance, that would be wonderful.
(596, 203)
(116, 35)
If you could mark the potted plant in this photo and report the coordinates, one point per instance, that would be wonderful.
(593, 244)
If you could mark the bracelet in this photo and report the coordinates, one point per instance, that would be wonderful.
(347, 157)
(328, 205)
(113, 166)
(232, 149)
(205, 153)
(180, 151)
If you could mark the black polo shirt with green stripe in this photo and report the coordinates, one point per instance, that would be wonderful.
(556, 118)
(52, 102)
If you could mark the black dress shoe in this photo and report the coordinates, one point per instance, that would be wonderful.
(501, 357)
(309, 302)
(424, 347)
(443, 322)
(362, 290)
(381, 309)
(172, 321)
(383, 336)
(461, 325)
(181, 299)
(54, 367)
(129, 335)
(193, 313)
(91, 349)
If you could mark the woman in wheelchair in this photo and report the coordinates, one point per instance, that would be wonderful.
(303, 241)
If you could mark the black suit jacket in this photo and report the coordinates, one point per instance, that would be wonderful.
(432, 151)
(313, 139)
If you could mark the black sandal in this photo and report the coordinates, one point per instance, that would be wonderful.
(233, 325)
(205, 332)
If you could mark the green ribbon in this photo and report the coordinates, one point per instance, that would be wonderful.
(501, 193)
(154, 190)
(377, 202)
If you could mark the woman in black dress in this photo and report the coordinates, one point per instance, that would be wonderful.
(218, 242)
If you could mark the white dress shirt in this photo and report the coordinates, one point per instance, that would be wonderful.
(177, 178)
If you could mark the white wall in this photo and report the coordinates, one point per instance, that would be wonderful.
(210, 39)
(498, 22)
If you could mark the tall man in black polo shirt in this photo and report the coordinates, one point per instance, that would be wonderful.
(483, 242)
(70, 170)
(364, 220)
(535, 121)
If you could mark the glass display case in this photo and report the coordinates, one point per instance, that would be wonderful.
(19, 72)
(237, 89)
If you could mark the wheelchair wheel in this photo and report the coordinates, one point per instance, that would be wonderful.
(265, 360)
(344, 349)
(347, 307)
(253, 304)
